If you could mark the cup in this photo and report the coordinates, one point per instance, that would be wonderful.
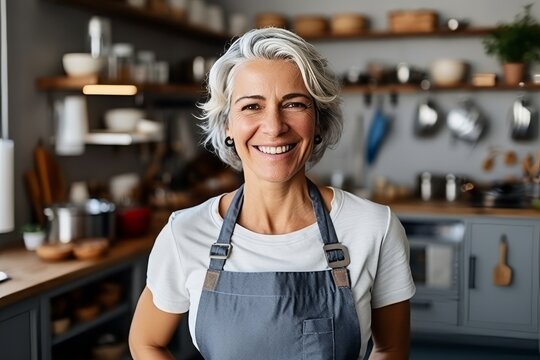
(78, 192)
(72, 125)
(238, 24)
(197, 12)
(216, 18)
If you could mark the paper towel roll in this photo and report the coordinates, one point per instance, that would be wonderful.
(6, 186)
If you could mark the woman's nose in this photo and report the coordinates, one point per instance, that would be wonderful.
(274, 123)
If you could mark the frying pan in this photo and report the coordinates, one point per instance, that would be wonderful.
(466, 122)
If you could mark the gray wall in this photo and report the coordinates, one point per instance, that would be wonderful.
(402, 155)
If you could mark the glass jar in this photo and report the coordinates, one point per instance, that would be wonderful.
(121, 62)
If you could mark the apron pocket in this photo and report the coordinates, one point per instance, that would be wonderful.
(318, 339)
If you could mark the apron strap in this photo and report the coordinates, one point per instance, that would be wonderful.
(337, 255)
(221, 249)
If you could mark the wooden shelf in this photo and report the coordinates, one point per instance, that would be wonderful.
(164, 22)
(407, 88)
(79, 328)
(380, 35)
(66, 83)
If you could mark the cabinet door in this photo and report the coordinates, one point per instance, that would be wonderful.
(18, 332)
(512, 307)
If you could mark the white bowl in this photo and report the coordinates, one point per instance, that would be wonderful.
(82, 64)
(145, 126)
(123, 119)
(448, 72)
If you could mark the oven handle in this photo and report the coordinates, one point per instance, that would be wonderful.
(421, 305)
(472, 272)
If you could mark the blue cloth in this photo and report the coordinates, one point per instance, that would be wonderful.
(378, 130)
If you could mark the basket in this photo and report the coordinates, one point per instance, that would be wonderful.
(264, 20)
(310, 25)
(405, 21)
(348, 24)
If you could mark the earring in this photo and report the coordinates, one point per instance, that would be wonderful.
(229, 141)
(318, 139)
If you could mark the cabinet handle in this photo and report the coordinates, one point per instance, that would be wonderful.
(472, 272)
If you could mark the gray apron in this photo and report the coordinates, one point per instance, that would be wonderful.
(278, 315)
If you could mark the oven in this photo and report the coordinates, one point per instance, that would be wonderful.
(436, 253)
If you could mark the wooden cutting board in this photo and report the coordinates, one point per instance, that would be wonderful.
(51, 179)
(34, 194)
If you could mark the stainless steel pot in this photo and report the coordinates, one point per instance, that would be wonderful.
(69, 222)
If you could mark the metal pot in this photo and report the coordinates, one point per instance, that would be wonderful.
(69, 222)
(466, 122)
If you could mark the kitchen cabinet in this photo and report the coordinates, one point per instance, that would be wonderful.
(19, 331)
(503, 309)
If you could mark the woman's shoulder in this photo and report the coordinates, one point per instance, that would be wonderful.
(196, 213)
(347, 201)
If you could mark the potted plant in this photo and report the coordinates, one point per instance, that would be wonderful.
(33, 236)
(516, 45)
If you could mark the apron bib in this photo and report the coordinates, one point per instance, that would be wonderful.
(278, 315)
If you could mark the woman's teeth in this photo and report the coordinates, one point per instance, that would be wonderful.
(275, 149)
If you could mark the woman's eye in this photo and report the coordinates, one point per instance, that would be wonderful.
(251, 107)
(295, 106)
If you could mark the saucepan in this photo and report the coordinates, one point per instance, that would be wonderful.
(466, 122)
(68, 221)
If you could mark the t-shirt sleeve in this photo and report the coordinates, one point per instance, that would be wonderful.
(393, 282)
(165, 276)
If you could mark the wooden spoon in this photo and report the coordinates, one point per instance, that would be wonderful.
(502, 273)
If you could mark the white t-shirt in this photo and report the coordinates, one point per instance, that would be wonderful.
(378, 247)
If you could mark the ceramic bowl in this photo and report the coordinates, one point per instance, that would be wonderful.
(123, 119)
(448, 72)
(82, 64)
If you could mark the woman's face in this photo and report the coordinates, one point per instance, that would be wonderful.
(272, 119)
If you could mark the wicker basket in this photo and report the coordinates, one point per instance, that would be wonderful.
(403, 21)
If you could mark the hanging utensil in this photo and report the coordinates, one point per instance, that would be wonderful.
(523, 120)
(378, 131)
(466, 122)
(502, 273)
(427, 119)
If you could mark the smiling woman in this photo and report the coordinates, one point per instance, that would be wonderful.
(295, 271)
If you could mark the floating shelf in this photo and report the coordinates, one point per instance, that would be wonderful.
(144, 16)
(79, 328)
(105, 137)
(67, 83)
(408, 88)
(380, 35)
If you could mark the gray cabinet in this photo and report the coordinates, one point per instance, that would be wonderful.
(510, 310)
(19, 331)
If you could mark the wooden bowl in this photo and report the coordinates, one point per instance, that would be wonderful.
(91, 248)
(310, 25)
(86, 313)
(264, 20)
(54, 252)
(348, 24)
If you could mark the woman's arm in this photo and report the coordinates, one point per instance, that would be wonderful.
(151, 330)
(390, 326)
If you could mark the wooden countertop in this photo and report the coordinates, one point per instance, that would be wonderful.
(31, 276)
(441, 208)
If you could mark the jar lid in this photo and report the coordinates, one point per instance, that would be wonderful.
(122, 49)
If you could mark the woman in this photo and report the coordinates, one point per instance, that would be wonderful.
(279, 269)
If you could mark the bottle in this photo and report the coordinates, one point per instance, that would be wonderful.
(121, 62)
(99, 36)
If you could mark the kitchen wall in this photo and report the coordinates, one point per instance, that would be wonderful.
(403, 155)
(39, 33)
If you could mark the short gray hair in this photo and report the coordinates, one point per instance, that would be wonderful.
(271, 44)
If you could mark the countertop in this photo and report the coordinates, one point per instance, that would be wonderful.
(444, 208)
(31, 275)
